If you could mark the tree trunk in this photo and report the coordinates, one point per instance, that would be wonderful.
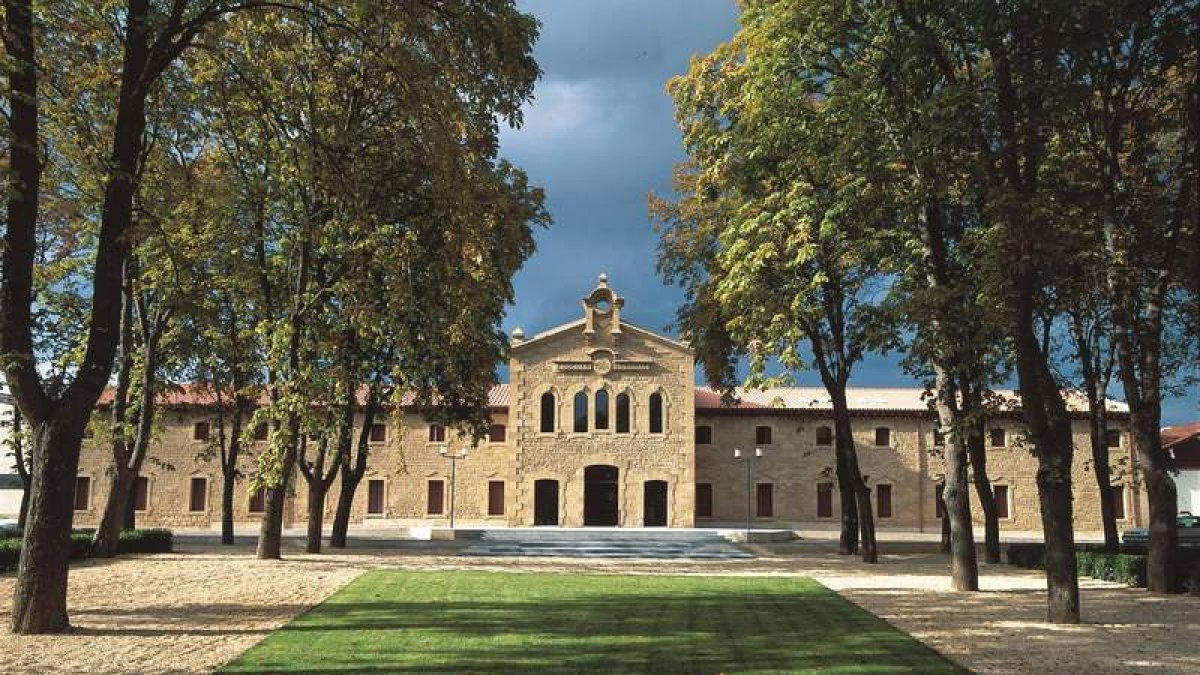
(1100, 463)
(316, 514)
(977, 453)
(1062, 579)
(848, 539)
(116, 508)
(941, 499)
(848, 461)
(341, 515)
(270, 537)
(40, 596)
(964, 570)
(21, 466)
(1161, 495)
(228, 484)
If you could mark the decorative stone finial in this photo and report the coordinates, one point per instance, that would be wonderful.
(518, 334)
(603, 279)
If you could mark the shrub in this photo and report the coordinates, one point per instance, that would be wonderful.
(1123, 568)
(1029, 556)
(10, 554)
(81, 546)
(145, 541)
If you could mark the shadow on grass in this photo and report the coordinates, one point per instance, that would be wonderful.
(519, 623)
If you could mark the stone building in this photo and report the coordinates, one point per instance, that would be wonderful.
(602, 424)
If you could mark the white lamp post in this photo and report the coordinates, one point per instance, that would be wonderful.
(749, 459)
(461, 454)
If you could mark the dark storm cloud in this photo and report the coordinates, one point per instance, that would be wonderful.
(600, 135)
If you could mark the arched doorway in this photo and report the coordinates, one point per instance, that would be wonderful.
(545, 502)
(600, 495)
(654, 503)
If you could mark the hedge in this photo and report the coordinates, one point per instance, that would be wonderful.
(132, 541)
(1127, 567)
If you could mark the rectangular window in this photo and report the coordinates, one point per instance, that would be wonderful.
(378, 433)
(261, 431)
(200, 431)
(764, 499)
(939, 438)
(83, 487)
(704, 504)
(375, 497)
(497, 433)
(703, 435)
(437, 433)
(495, 498)
(883, 500)
(198, 495)
(999, 438)
(824, 436)
(1112, 438)
(762, 435)
(437, 497)
(258, 500)
(1001, 496)
(1118, 502)
(824, 500)
(141, 493)
(883, 437)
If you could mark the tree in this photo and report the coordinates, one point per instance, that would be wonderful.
(151, 40)
(794, 272)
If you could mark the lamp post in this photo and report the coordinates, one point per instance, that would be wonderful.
(749, 459)
(461, 454)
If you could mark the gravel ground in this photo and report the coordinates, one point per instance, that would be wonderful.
(194, 610)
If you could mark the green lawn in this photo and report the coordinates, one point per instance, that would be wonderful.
(489, 622)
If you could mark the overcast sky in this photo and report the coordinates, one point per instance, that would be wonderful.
(600, 135)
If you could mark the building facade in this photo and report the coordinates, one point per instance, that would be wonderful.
(602, 424)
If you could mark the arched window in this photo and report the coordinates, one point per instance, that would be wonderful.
(622, 413)
(656, 413)
(602, 410)
(824, 436)
(548, 404)
(581, 412)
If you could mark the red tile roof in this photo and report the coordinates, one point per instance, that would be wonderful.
(1172, 436)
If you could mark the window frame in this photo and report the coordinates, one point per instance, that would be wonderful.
(880, 490)
(192, 494)
(769, 492)
(1121, 499)
(437, 433)
(1109, 435)
(491, 485)
(601, 417)
(502, 435)
(759, 435)
(623, 413)
(260, 492)
(580, 421)
(825, 498)
(372, 437)
(704, 438)
(887, 434)
(656, 417)
(547, 413)
(1007, 513)
(429, 490)
(145, 506)
(382, 483)
(823, 436)
(87, 494)
(997, 434)
(196, 433)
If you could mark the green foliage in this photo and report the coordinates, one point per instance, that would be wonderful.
(156, 540)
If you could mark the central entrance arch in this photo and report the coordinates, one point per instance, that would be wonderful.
(600, 495)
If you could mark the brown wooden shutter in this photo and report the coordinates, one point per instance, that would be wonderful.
(141, 493)
(375, 496)
(883, 496)
(258, 500)
(198, 497)
(704, 501)
(495, 498)
(378, 433)
(83, 486)
(824, 500)
(437, 494)
(1001, 493)
(497, 433)
(766, 501)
